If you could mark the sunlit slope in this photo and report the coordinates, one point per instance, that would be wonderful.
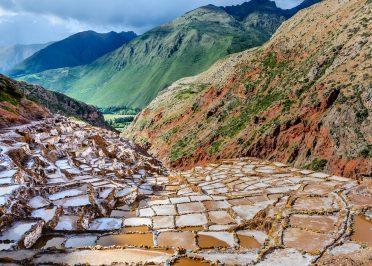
(133, 75)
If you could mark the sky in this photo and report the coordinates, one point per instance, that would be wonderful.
(41, 21)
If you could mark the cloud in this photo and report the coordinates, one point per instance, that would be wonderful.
(30, 21)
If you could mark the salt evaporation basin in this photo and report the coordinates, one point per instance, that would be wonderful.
(106, 224)
(17, 231)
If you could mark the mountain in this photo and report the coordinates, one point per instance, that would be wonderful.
(12, 55)
(21, 103)
(302, 98)
(132, 75)
(79, 49)
(240, 12)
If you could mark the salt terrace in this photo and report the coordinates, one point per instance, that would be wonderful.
(71, 194)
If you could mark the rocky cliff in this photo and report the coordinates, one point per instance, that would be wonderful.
(21, 102)
(303, 98)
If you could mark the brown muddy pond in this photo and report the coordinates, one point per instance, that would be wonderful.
(305, 240)
(135, 229)
(362, 230)
(248, 242)
(315, 222)
(207, 242)
(184, 240)
(123, 214)
(127, 240)
(190, 262)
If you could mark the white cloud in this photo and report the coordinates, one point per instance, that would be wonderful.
(30, 21)
(7, 13)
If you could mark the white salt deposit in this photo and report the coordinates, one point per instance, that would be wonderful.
(191, 220)
(106, 224)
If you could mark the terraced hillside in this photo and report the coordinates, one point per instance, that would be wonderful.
(73, 194)
(303, 98)
(133, 75)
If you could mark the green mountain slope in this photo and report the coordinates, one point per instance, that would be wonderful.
(79, 49)
(133, 75)
(11, 55)
(303, 98)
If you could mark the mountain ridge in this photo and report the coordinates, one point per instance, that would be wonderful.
(132, 75)
(78, 49)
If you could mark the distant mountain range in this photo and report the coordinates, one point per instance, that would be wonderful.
(11, 55)
(79, 49)
(132, 75)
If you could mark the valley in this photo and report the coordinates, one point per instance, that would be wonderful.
(119, 118)
(135, 73)
(229, 135)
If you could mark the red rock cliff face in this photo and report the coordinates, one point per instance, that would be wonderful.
(15, 108)
(304, 98)
(21, 102)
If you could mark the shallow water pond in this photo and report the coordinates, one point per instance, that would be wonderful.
(362, 230)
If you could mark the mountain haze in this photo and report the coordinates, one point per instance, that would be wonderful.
(11, 55)
(132, 75)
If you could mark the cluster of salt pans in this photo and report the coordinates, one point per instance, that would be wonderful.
(71, 193)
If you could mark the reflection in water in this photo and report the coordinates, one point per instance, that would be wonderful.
(210, 242)
(49, 241)
(248, 242)
(127, 240)
(135, 229)
(190, 262)
(362, 230)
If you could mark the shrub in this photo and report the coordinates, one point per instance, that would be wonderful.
(215, 147)
(317, 164)
(367, 151)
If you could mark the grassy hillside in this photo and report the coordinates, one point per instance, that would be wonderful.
(303, 98)
(133, 75)
(79, 49)
(21, 102)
